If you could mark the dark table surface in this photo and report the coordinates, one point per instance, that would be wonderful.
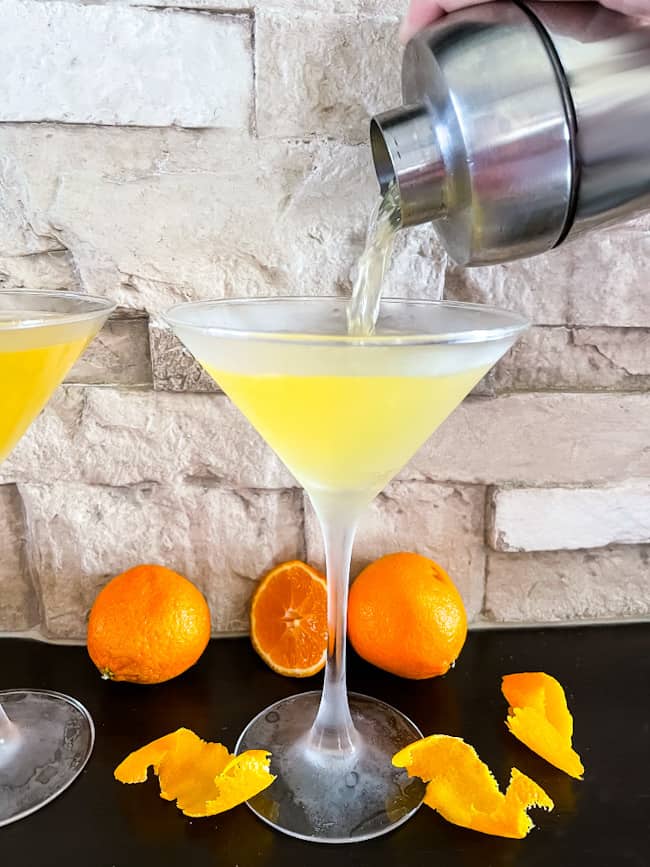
(601, 822)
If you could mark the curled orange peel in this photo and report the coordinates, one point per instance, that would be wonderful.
(463, 790)
(203, 778)
(538, 716)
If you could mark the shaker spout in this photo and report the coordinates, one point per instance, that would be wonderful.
(406, 152)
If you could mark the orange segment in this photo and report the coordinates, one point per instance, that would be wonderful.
(202, 777)
(463, 790)
(289, 619)
(539, 717)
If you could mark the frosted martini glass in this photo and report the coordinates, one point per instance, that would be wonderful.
(344, 413)
(45, 737)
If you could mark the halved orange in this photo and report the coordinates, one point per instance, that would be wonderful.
(289, 619)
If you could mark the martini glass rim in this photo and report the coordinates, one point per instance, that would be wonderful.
(90, 307)
(508, 324)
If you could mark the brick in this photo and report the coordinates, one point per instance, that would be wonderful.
(576, 358)
(547, 519)
(174, 366)
(223, 541)
(600, 279)
(303, 80)
(379, 7)
(105, 436)
(119, 355)
(443, 522)
(560, 586)
(18, 602)
(626, 349)
(178, 215)
(18, 237)
(232, 6)
(47, 270)
(540, 440)
(78, 64)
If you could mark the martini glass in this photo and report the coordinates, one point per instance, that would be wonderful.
(344, 413)
(45, 737)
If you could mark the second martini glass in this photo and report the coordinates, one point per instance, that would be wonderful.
(45, 737)
(344, 413)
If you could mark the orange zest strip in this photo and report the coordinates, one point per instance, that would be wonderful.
(202, 777)
(463, 790)
(538, 716)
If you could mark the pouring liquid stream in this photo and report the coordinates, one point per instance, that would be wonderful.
(363, 308)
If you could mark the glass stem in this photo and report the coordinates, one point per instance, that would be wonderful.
(333, 729)
(9, 738)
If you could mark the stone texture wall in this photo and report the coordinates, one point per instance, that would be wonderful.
(155, 154)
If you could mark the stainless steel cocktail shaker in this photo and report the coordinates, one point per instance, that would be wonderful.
(523, 125)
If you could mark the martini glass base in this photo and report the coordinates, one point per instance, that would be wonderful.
(47, 746)
(327, 797)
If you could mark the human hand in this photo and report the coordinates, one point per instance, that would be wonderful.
(424, 12)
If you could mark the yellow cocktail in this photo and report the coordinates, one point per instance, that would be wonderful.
(345, 433)
(33, 361)
(344, 412)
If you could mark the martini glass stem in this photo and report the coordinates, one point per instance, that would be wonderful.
(9, 738)
(333, 730)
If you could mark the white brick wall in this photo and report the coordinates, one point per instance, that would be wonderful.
(600, 280)
(321, 74)
(560, 586)
(540, 439)
(18, 601)
(122, 66)
(579, 359)
(550, 519)
(255, 207)
(166, 150)
(222, 540)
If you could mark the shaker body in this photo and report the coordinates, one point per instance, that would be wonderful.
(522, 126)
(605, 62)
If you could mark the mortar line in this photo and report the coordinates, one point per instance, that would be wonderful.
(486, 548)
(253, 118)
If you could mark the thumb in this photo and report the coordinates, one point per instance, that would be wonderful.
(420, 14)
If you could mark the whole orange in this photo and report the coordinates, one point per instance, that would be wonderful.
(406, 616)
(147, 625)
